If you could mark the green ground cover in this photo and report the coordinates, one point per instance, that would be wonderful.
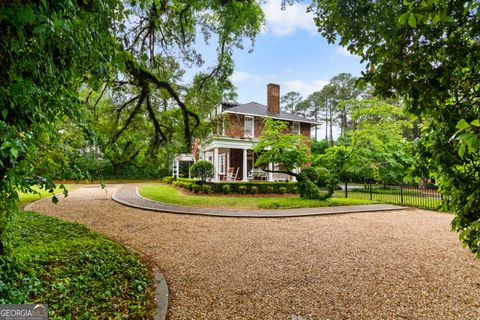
(168, 194)
(78, 273)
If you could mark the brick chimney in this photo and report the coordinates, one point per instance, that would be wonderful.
(273, 98)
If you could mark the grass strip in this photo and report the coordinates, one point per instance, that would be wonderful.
(170, 195)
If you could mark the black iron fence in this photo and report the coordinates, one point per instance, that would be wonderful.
(402, 194)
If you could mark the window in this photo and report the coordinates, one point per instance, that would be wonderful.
(249, 127)
(221, 163)
(296, 127)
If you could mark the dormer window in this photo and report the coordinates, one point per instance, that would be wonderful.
(296, 127)
(249, 127)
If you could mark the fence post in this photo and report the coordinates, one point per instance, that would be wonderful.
(346, 189)
(371, 191)
(401, 193)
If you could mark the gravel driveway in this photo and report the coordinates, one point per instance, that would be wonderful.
(383, 265)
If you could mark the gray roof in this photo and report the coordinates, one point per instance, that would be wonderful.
(260, 110)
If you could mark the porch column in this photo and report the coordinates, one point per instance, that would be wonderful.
(296, 170)
(270, 174)
(245, 167)
(215, 164)
(177, 168)
(227, 164)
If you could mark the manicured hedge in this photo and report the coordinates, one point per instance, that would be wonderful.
(168, 180)
(260, 187)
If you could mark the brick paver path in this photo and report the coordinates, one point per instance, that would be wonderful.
(128, 195)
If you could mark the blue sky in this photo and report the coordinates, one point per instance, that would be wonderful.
(289, 52)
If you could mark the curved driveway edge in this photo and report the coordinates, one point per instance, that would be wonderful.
(128, 195)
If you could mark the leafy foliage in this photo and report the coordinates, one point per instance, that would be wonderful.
(59, 59)
(76, 272)
(277, 145)
(290, 102)
(426, 52)
(48, 50)
(311, 179)
(374, 148)
(202, 169)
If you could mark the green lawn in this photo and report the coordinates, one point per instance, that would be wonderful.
(168, 194)
(42, 193)
(78, 273)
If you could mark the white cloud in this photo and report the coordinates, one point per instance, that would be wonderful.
(344, 52)
(288, 70)
(305, 88)
(286, 22)
(248, 78)
(240, 76)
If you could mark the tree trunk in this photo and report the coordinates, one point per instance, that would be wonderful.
(331, 129)
(326, 124)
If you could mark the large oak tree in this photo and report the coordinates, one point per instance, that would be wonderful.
(52, 50)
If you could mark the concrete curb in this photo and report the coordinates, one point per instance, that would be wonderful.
(161, 289)
(287, 213)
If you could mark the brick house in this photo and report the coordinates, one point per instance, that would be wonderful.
(238, 128)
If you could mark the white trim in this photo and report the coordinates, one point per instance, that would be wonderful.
(229, 143)
(215, 164)
(221, 163)
(245, 166)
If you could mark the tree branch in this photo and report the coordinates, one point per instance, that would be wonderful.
(143, 75)
(130, 118)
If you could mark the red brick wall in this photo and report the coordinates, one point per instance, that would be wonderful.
(235, 126)
(258, 126)
(305, 129)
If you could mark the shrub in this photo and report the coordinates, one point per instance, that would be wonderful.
(242, 189)
(168, 180)
(203, 170)
(311, 179)
(282, 190)
(206, 189)
(262, 187)
(254, 189)
(196, 188)
(226, 189)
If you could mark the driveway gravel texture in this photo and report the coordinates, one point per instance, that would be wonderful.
(375, 265)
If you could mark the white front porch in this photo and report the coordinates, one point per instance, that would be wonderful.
(236, 156)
